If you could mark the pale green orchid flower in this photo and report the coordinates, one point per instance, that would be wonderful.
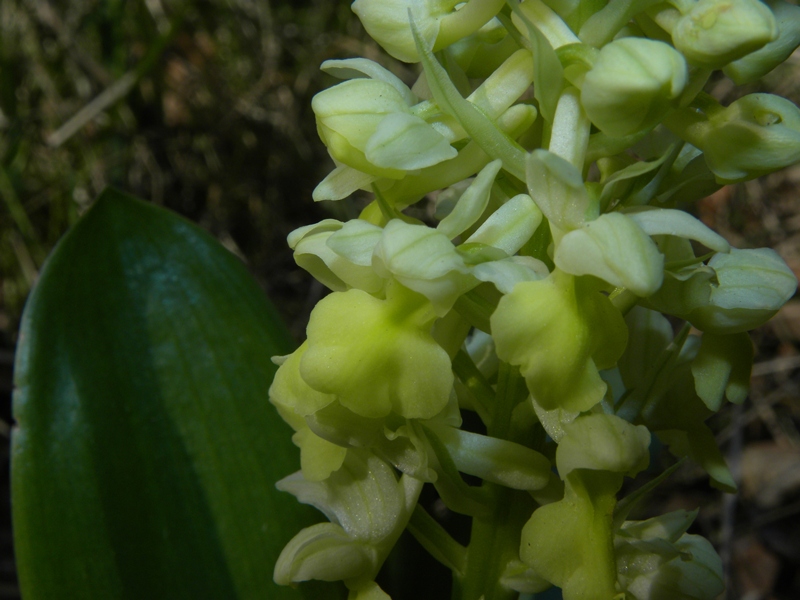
(520, 268)
(377, 356)
(735, 292)
(560, 331)
(295, 400)
(658, 560)
(755, 135)
(570, 542)
(368, 508)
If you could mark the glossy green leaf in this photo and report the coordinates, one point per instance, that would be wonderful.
(146, 452)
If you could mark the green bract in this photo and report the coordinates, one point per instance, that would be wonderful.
(722, 368)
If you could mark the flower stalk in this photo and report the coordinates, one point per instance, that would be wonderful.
(554, 144)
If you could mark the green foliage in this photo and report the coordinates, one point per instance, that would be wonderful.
(145, 453)
(558, 141)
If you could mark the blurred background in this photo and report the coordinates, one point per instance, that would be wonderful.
(204, 108)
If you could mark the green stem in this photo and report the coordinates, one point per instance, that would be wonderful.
(624, 300)
(475, 309)
(636, 403)
(698, 77)
(457, 495)
(688, 124)
(511, 390)
(495, 538)
(437, 541)
(388, 211)
(476, 383)
(494, 542)
(601, 145)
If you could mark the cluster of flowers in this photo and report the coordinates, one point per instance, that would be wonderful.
(554, 140)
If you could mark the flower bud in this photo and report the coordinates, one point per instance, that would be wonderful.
(386, 21)
(755, 135)
(735, 292)
(423, 260)
(757, 64)
(654, 562)
(632, 85)
(349, 113)
(387, 24)
(367, 124)
(716, 32)
(615, 249)
(368, 508)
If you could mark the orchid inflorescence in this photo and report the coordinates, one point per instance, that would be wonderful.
(555, 141)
